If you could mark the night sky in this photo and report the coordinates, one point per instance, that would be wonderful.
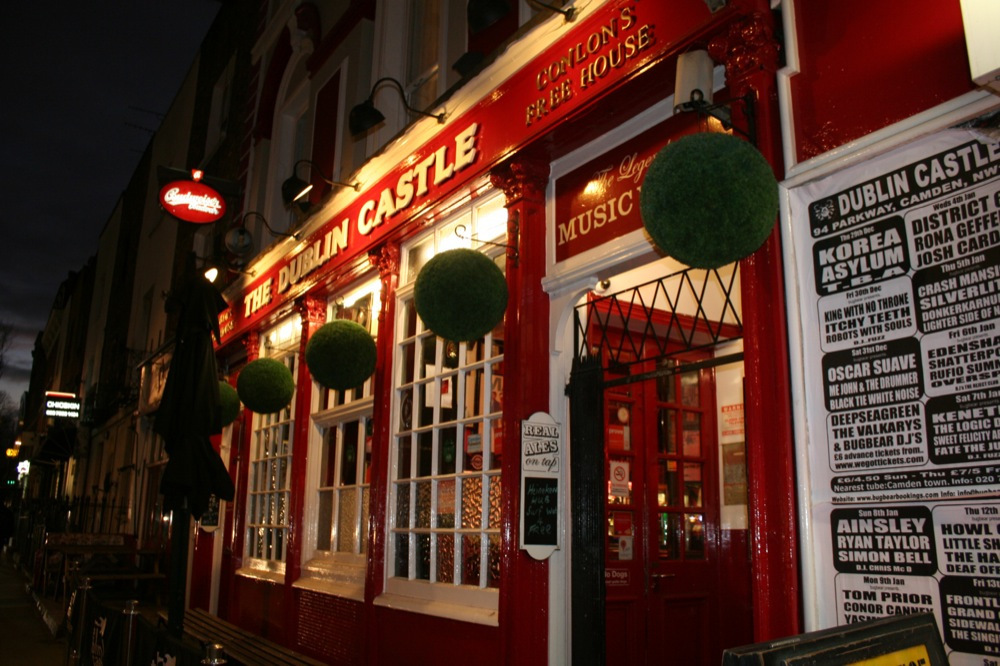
(83, 87)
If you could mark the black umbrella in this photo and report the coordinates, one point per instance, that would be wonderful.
(189, 414)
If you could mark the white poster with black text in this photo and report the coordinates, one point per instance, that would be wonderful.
(897, 263)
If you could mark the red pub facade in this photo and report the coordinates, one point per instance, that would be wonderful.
(670, 515)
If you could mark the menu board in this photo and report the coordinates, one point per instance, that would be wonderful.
(896, 267)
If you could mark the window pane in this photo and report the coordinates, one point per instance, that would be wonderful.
(347, 521)
(668, 431)
(692, 434)
(472, 503)
(403, 506)
(325, 521)
(667, 491)
(423, 515)
(445, 558)
(425, 451)
(670, 531)
(494, 515)
(349, 455)
(493, 565)
(446, 504)
(402, 568)
(694, 536)
(403, 458)
(692, 484)
(446, 462)
(471, 556)
(690, 389)
(423, 571)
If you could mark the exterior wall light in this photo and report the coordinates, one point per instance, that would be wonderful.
(365, 116)
(481, 14)
(693, 92)
(295, 189)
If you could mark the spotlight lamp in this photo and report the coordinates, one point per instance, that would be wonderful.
(481, 14)
(693, 92)
(238, 238)
(365, 116)
(295, 189)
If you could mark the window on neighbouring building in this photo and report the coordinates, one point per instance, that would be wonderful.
(218, 115)
(270, 489)
(448, 440)
(338, 482)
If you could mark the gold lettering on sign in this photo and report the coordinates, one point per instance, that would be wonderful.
(630, 172)
(602, 51)
(258, 298)
(443, 164)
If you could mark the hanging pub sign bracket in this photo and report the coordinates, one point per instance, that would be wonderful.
(512, 252)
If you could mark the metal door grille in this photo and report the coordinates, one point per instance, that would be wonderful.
(682, 312)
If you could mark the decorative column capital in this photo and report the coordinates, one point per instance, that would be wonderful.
(312, 310)
(385, 259)
(521, 178)
(748, 47)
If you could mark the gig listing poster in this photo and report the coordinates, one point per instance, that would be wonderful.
(896, 263)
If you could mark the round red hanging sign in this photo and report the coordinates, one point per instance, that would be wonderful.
(192, 201)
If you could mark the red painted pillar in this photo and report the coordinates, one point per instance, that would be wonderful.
(234, 539)
(750, 54)
(313, 313)
(386, 259)
(524, 581)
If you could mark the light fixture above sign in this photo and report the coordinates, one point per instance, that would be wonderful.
(192, 200)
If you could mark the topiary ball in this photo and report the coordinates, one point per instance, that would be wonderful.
(230, 402)
(341, 355)
(709, 199)
(461, 294)
(265, 386)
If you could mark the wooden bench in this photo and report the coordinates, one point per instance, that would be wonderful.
(240, 646)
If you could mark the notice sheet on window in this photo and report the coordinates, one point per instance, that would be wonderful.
(896, 264)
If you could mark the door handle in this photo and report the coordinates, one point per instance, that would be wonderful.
(661, 576)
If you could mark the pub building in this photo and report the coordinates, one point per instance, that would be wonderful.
(635, 464)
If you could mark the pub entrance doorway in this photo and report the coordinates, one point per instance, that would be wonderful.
(674, 562)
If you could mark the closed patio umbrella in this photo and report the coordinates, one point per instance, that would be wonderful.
(189, 414)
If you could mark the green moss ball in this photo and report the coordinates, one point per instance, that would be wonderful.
(709, 199)
(341, 355)
(265, 386)
(230, 401)
(461, 294)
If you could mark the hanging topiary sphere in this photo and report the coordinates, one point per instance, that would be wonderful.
(341, 355)
(230, 401)
(461, 294)
(709, 199)
(265, 386)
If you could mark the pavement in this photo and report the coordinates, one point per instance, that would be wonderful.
(33, 634)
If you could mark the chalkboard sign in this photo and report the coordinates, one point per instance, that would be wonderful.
(541, 511)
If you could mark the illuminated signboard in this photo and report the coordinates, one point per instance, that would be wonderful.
(590, 60)
(62, 405)
(192, 201)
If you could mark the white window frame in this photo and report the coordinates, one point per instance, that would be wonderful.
(266, 500)
(333, 571)
(449, 598)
